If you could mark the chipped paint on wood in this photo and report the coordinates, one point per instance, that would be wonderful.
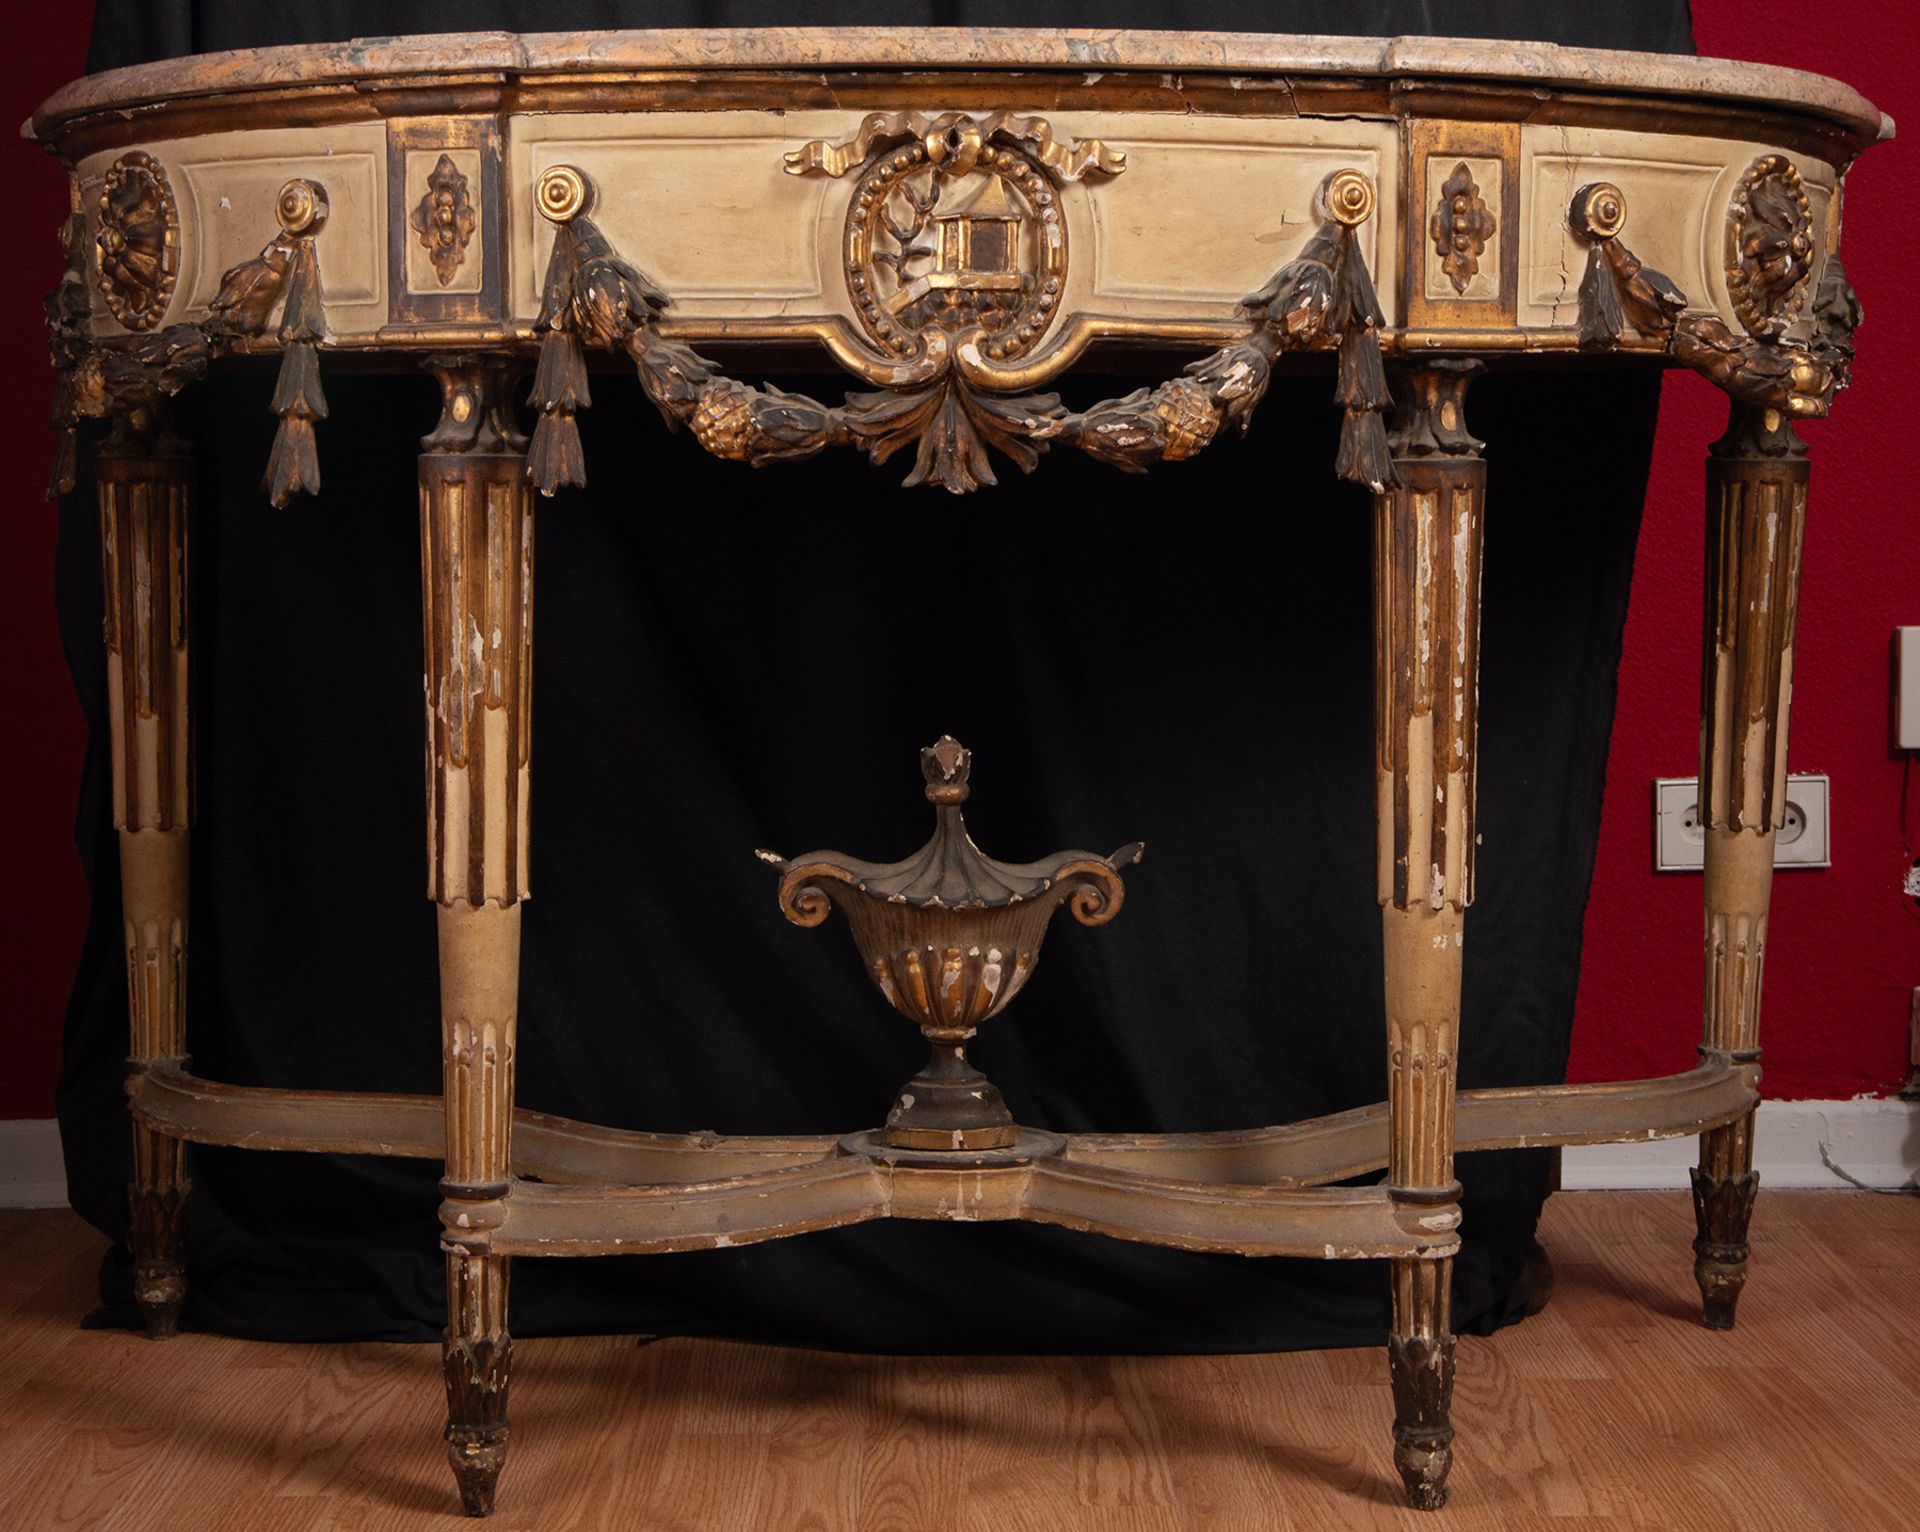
(476, 530)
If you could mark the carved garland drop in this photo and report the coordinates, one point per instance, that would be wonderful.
(294, 465)
(1321, 300)
(130, 382)
(1762, 369)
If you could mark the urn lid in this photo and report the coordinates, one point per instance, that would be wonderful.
(950, 871)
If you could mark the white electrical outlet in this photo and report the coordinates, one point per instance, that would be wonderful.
(1680, 837)
(1906, 688)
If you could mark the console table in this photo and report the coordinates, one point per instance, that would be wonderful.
(957, 218)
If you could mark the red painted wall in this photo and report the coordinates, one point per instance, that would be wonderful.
(1843, 944)
(43, 895)
(1845, 948)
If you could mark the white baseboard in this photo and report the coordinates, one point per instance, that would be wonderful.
(31, 1174)
(1874, 1141)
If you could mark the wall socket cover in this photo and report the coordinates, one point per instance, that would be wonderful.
(1906, 688)
(1680, 839)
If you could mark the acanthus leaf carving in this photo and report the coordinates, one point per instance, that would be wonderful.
(953, 425)
(248, 291)
(1420, 1368)
(1836, 315)
(1722, 1211)
(478, 1370)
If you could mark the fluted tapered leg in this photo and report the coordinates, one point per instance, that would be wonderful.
(1427, 543)
(145, 479)
(1756, 517)
(476, 541)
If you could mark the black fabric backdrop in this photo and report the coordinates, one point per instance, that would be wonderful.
(728, 659)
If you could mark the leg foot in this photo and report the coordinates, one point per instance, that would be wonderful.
(157, 1200)
(160, 1290)
(1722, 1208)
(1427, 543)
(1422, 1369)
(478, 1368)
(477, 1420)
(160, 1287)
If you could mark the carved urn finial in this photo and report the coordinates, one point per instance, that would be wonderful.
(947, 764)
(949, 936)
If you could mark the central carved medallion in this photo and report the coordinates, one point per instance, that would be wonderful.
(955, 225)
(972, 238)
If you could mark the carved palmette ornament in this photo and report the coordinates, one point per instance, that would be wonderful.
(1769, 246)
(444, 219)
(139, 240)
(1461, 227)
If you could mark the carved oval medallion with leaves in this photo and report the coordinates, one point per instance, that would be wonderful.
(951, 232)
(1769, 246)
(139, 240)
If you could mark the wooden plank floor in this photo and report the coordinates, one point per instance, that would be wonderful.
(1611, 1409)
